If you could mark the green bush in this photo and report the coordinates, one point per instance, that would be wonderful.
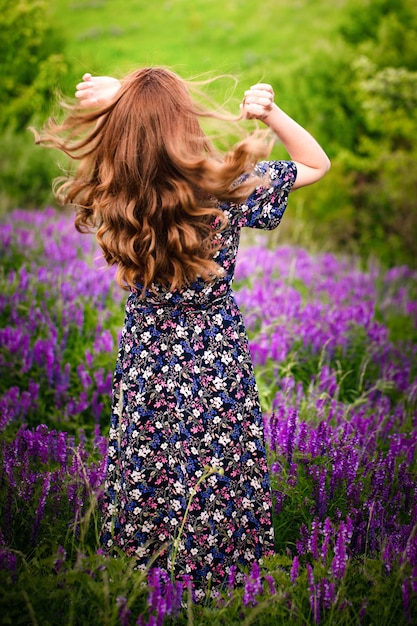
(26, 172)
(31, 66)
(363, 103)
(30, 62)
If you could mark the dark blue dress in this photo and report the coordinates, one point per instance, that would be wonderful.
(185, 400)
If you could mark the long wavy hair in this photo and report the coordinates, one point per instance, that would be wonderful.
(147, 179)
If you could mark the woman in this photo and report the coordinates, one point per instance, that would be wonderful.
(187, 480)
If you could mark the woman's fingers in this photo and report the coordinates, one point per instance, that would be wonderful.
(260, 94)
(261, 90)
(258, 100)
(83, 86)
(263, 86)
(95, 90)
(86, 91)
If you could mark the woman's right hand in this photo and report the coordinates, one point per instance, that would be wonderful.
(258, 101)
(95, 91)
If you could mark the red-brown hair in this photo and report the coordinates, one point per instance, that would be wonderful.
(148, 179)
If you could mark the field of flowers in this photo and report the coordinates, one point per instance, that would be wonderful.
(334, 346)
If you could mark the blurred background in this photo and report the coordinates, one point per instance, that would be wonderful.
(345, 69)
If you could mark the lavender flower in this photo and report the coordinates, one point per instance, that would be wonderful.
(124, 611)
(314, 595)
(327, 534)
(294, 570)
(164, 597)
(60, 559)
(405, 588)
(340, 555)
(292, 425)
(252, 586)
(231, 577)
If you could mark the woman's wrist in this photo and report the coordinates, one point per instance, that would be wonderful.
(274, 118)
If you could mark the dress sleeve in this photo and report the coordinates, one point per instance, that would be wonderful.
(266, 205)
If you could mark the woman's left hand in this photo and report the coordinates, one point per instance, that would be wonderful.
(96, 90)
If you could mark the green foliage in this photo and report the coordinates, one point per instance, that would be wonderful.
(386, 162)
(384, 30)
(57, 589)
(26, 172)
(30, 66)
(363, 102)
(87, 588)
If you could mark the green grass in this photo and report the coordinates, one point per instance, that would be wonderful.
(254, 41)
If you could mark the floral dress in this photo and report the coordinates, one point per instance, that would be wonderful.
(187, 477)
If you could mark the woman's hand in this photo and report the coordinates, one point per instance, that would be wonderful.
(96, 90)
(258, 102)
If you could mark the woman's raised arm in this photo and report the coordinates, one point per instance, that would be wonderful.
(311, 160)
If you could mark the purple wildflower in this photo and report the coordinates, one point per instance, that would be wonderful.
(164, 597)
(328, 593)
(413, 579)
(314, 538)
(46, 484)
(292, 425)
(340, 556)
(60, 559)
(231, 577)
(271, 584)
(8, 561)
(294, 570)
(252, 586)
(124, 611)
(314, 594)
(327, 535)
(405, 588)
